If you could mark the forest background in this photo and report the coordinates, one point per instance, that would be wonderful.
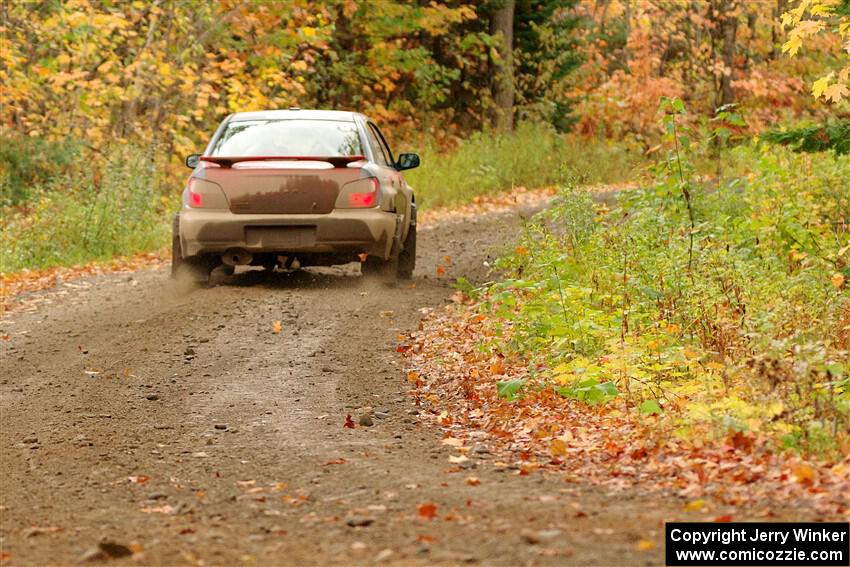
(102, 99)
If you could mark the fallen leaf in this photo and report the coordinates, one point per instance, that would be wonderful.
(424, 539)
(804, 474)
(695, 506)
(838, 281)
(277, 327)
(498, 367)
(645, 545)
(458, 459)
(723, 519)
(441, 271)
(557, 448)
(427, 510)
(363, 256)
(339, 461)
(349, 423)
(472, 481)
(141, 479)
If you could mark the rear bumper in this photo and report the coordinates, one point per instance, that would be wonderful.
(343, 230)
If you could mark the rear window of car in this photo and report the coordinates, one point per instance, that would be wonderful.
(289, 138)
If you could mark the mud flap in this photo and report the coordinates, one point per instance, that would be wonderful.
(395, 249)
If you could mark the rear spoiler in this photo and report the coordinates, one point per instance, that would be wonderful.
(336, 161)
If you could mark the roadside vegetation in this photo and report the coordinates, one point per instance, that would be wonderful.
(720, 305)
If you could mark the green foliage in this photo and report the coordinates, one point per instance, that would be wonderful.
(591, 391)
(834, 135)
(726, 300)
(27, 162)
(532, 156)
(88, 214)
(509, 389)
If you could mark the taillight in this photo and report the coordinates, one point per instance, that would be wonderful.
(205, 194)
(362, 199)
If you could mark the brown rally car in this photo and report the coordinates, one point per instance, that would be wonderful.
(296, 188)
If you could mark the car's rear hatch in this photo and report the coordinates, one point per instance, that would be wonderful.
(282, 185)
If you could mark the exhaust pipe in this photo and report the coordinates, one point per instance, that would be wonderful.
(237, 257)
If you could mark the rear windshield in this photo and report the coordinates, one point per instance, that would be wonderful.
(289, 138)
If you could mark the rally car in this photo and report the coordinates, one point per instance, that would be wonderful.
(290, 188)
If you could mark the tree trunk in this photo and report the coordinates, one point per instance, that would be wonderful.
(502, 82)
(724, 29)
(730, 30)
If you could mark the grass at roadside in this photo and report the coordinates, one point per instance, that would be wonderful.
(93, 209)
(532, 156)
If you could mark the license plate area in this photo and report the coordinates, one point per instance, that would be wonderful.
(281, 237)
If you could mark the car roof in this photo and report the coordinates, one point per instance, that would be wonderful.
(295, 113)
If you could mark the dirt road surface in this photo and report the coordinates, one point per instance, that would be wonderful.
(180, 427)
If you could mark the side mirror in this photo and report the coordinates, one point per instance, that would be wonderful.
(407, 161)
(192, 160)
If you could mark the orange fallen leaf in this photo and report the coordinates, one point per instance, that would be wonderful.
(804, 474)
(339, 461)
(441, 271)
(425, 538)
(645, 545)
(276, 327)
(723, 519)
(473, 481)
(427, 511)
(557, 448)
(140, 479)
(838, 281)
(497, 367)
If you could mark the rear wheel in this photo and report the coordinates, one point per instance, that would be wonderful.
(407, 256)
(195, 269)
(176, 249)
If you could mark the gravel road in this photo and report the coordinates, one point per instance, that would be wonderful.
(141, 424)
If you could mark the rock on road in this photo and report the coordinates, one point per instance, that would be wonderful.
(183, 429)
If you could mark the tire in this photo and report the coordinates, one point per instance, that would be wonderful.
(407, 256)
(176, 249)
(196, 269)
